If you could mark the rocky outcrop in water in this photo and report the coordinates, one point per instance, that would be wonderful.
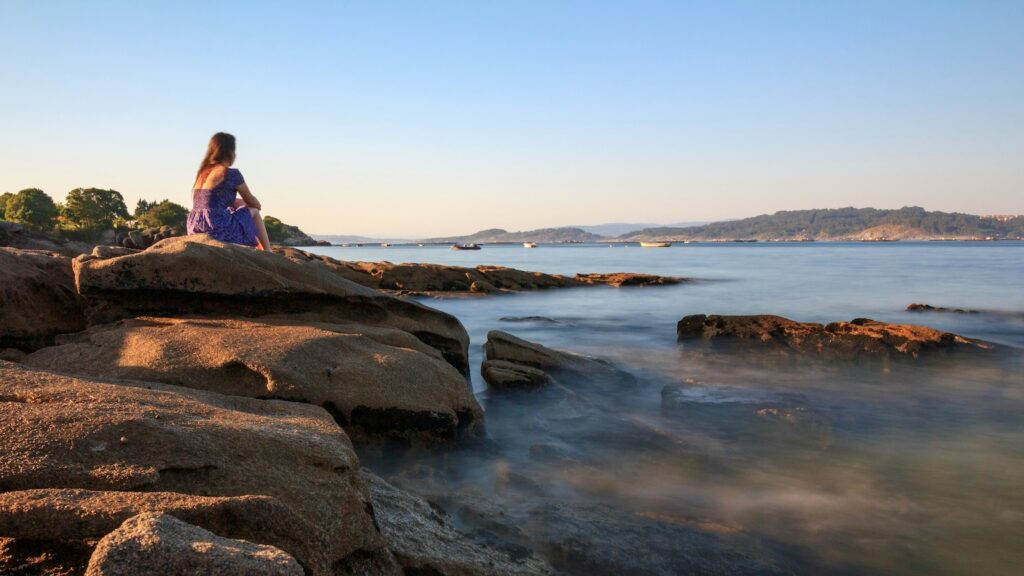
(512, 362)
(158, 543)
(379, 383)
(929, 308)
(81, 456)
(37, 298)
(860, 337)
(439, 279)
(196, 275)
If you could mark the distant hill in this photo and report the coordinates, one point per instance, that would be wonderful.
(909, 223)
(615, 228)
(495, 235)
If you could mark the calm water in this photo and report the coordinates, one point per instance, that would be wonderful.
(747, 466)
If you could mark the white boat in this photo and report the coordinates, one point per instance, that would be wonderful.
(385, 245)
(529, 244)
(655, 244)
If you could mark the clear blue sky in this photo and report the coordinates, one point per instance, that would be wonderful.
(420, 118)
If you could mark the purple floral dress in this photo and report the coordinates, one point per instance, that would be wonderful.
(212, 212)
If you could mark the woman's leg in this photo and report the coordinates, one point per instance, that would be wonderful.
(257, 219)
(261, 229)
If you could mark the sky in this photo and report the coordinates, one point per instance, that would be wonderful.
(414, 119)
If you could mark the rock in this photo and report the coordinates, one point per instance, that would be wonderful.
(438, 279)
(509, 375)
(424, 541)
(199, 275)
(136, 239)
(379, 383)
(519, 356)
(930, 308)
(111, 251)
(618, 279)
(483, 287)
(183, 447)
(158, 543)
(860, 337)
(37, 298)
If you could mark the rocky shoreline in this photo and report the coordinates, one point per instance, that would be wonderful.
(200, 392)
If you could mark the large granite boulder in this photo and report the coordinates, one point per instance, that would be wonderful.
(158, 543)
(512, 362)
(199, 275)
(860, 337)
(37, 298)
(139, 444)
(379, 383)
(424, 541)
(439, 278)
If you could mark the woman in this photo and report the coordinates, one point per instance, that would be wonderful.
(215, 210)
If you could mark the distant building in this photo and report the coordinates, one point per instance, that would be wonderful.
(1001, 217)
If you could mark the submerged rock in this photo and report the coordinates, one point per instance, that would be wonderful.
(81, 456)
(37, 298)
(197, 275)
(856, 338)
(425, 542)
(379, 383)
(158, 543)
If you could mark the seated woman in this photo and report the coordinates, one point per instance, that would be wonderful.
(215, 210)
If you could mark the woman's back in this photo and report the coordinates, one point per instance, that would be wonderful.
(214, 211)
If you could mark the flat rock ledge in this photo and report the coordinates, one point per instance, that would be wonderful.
(441, 280)
(158, 543)
(857, 338)
(514, 363)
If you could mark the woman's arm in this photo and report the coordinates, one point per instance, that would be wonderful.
(250, 200)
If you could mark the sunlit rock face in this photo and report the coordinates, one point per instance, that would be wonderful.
(196, 275)
(381, 384)
(857, 338)
(82, 455)
(158, 543)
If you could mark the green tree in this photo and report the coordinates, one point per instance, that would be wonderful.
(276, 230)
(31, 207)
(4, 198)
(141, 207)
(164, 213)
(93, 209)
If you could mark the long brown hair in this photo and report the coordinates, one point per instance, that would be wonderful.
(221, 149)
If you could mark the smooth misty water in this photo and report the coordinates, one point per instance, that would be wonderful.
(803, 467)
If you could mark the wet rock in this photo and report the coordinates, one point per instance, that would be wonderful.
(37, 298)
(158, 543)
(379, 383)
(930, 308)
(539, 319)
(860, 337)
(424, 540)
(196, 275)
(508, 348)
(509, 375)
(292, 467)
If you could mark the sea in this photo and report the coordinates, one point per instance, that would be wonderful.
(727, 463)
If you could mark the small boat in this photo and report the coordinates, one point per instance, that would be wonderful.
(385, 245)
(465, 247)
(529, 244)
(655, 244)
